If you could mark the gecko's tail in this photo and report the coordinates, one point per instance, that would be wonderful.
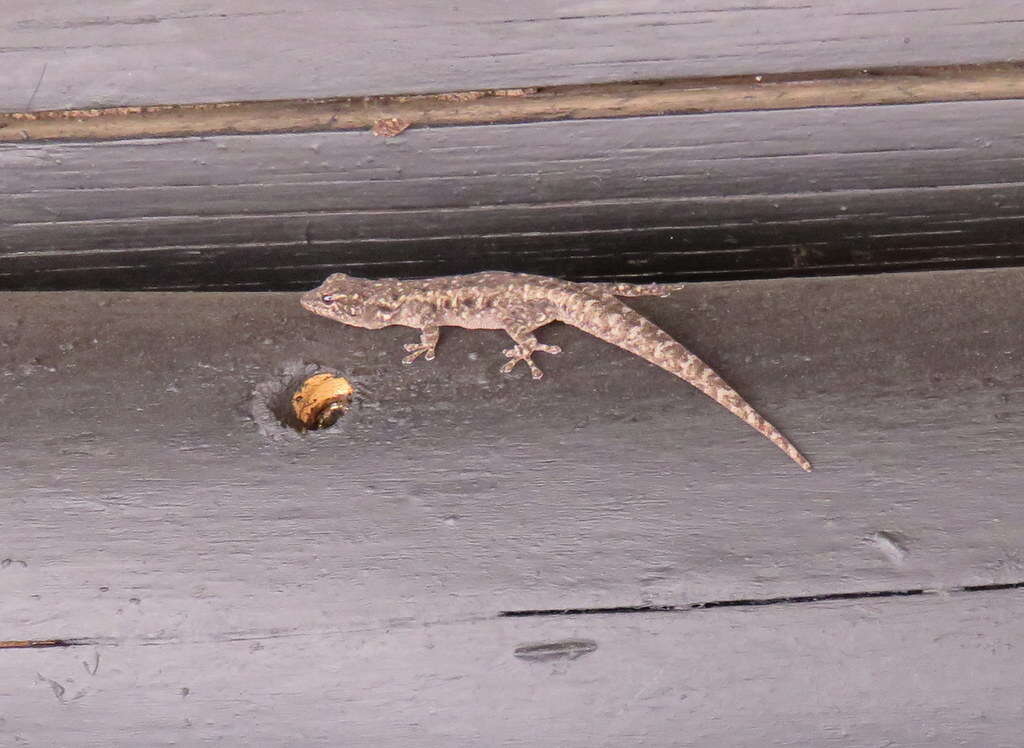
(614, 322)
(719, 390)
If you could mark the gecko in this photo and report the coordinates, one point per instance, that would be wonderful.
(519, 303)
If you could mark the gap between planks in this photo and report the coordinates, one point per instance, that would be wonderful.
(836, 88)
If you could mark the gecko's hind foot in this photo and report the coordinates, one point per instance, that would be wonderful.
(520, 353)
(535, 371)
(416, 350)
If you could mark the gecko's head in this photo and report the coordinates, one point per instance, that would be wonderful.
(346, 299)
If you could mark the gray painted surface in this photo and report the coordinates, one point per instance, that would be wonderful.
(747, 193)
(246, 586)
(55, 55)
(919, 673)
(346, 585)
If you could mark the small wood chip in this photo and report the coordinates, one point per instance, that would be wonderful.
(389, 128)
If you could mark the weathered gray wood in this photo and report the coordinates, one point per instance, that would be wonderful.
(56, 55)
(220, 583)
(132, 469)
(660, 197)
(924, 673)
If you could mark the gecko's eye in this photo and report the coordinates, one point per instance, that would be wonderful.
(328, 298)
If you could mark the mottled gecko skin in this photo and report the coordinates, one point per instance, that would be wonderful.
(519, 304)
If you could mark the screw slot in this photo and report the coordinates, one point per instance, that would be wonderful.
(303, 397)
(321, 400)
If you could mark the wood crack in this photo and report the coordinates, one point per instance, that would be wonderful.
(757, 602)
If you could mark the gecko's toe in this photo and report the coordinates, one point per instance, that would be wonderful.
(417, 350)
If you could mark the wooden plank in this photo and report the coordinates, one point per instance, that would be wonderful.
(913, 673)
(667, 198)
(149, 494)
(57, 56)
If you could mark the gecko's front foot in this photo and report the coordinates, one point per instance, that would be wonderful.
(416, 350)
(429, 336)
(524, 354)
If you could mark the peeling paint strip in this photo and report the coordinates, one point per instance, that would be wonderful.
(40, 643)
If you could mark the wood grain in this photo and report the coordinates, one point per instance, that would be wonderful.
(56, 56)
(741, 194)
